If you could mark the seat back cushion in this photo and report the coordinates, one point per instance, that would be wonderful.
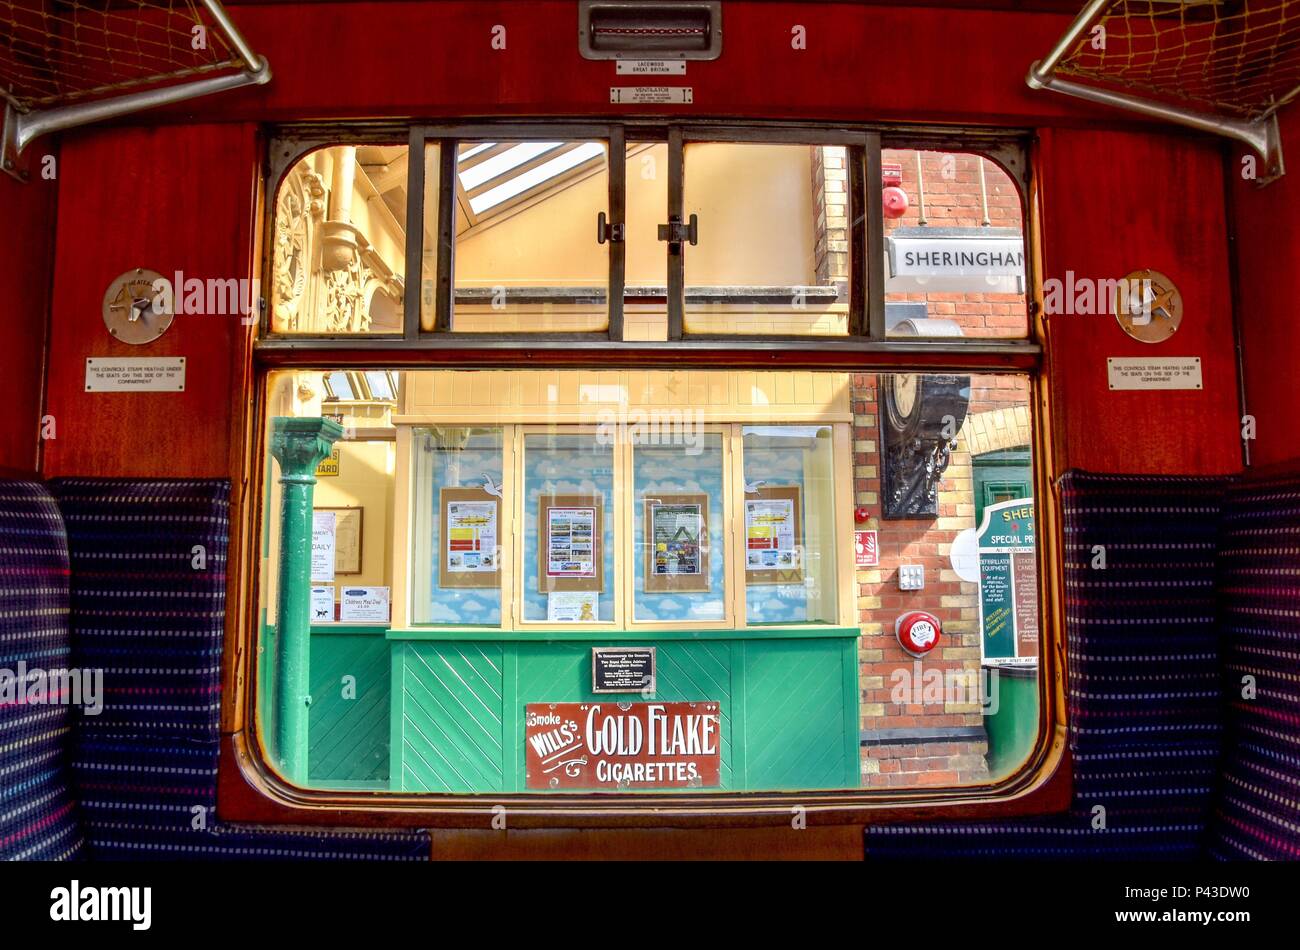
(1257, 810)
(1142, 680)
(38, 815)
(148, 605)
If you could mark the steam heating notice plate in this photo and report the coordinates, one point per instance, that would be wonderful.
(135, 374)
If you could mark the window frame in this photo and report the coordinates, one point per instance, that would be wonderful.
(251, 790)
(866, 320)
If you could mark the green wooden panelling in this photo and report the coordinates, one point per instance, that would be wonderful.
(687, 672)
(796, 716)
(448, 716)
(789, 706)
(349, 736)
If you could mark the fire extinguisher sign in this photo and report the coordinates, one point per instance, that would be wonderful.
(866, 549)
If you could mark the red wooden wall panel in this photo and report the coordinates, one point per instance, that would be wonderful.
(1268, 261)
(1114, 203)
(171, 198)
(26, 255)
(436, 59)
(180, 196)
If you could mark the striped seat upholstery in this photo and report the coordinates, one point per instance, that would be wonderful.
(148, 606)
(38, 817)
(1145, 706)
(1257, 811)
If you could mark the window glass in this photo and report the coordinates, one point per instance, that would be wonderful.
(340, 386)
(527, 258)
(457, 525)
(773, 239)
(569, 520)
(789, 524)
(842, 568)
(954, 236)
(645, 311)
(338, 255)
(680, 513)
(381, 385)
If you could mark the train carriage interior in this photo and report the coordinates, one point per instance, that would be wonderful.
(639, 428)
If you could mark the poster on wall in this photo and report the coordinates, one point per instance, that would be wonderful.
(322, 546)
(470, 533)
(773, 535)
(571, 542)
(676, 543)
(1008, 579)
(347, 539)
(620, 746)
(570, 550)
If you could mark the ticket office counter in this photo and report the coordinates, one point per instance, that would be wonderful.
(787, 698)
(787, 703)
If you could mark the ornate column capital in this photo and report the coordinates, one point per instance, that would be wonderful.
(299, 445)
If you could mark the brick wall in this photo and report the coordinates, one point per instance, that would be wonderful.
(948, 186)
(830, 187)
(933, 743)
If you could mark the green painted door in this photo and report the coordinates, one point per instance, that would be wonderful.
(1012, 726)
(1001, 476)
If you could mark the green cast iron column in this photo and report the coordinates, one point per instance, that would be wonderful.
(298, 445)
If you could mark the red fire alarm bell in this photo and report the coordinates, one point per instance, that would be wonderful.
(895, 202)
(918, 632)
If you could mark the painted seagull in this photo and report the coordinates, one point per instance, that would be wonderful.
(752, 487)
(491, 487)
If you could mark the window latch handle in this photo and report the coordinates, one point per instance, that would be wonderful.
(608, 232)
(677, 233)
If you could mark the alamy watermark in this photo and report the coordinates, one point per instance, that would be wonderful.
(1086, 296)
(945, 687)
(661, 427)
(212, 296)
(33, 686)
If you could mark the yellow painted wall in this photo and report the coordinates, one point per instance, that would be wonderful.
(365, 480)
(757, 224)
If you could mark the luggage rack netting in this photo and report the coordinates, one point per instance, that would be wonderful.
(56, 52)
(67, 63)
(1240, 57)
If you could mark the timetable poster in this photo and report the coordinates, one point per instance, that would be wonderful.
(571, 542)
(471, 537)
(770, 535)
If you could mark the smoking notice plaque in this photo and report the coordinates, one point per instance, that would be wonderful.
(620, 746)
(622, 669)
